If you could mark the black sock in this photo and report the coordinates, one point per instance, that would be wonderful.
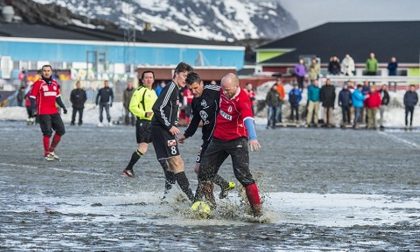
(134, 158)
(218, 180)
(184, 184)
(169, 176)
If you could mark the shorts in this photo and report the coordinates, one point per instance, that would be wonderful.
(165, 144)
(203, 149)
(143, 131)
(216, 154)
(51, 122)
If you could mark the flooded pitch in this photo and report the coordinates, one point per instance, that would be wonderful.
(322, 190)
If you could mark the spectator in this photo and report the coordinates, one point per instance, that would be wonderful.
(313, 103)
(347, 66)
(371, 65)
(251, 94)
(410, 100)
(187, 103)
(327, 97)
(357, 99)
(300, 72)
(78, 98)
(392, 71)
(385, 101)
(295, 96)
(373, 102)
(334, 67)
(104, 99)
(314, 70)
(159, 87)
(344, 101)
(282, 95)
(127, 94)
(272, 100)
(20, 97)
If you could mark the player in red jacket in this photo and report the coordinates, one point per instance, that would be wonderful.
(45, 93)
(234, 131)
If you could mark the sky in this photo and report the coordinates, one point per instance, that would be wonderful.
(310, 13)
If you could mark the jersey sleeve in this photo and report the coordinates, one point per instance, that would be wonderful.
(34, 90)
(134, 106)
(195, 121)
(244, 107)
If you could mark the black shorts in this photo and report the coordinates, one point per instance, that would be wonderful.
(203, 149)
(216, 154)
(51, 122)
(165, 144)
(143, 131)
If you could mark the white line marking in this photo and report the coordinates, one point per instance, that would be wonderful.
(399, 139)
(55, 169)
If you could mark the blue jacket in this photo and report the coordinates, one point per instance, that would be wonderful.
(344, 98)
(295, 96)
(313, 93)
(357, 98)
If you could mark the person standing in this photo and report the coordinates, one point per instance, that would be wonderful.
(20, 97)
(295, 96)
(300, 72)
(344, 101)
(77, 98)
(357, 99)
(272, 100)
(371, 65)
(127, 94)
(410, 101)
(104, 99)
(205, 107)
(234, 132)
(373, 102)
(327, 97)
(314, 70)
(164, 130)
(392, 71)
(44, 94)
(249, 90)
(313, 103)
(384, 104)
(282, 95)
(347, 65)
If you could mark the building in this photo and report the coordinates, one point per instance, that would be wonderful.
(386, 39)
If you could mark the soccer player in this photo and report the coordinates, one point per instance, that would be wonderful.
(45, 93)
(141, 105)
(205, 106)
(164, 130)
(233, 133)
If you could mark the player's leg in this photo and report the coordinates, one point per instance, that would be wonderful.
(240, 161)
(144, 137)
(45, 125)
(58, 126)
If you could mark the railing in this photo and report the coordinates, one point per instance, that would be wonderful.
(399, 80)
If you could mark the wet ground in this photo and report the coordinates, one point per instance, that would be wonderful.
(323, 190)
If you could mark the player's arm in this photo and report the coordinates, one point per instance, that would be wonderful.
(246, 111)
(33, 94)
(97, 97)
(161, 108)
(135, 107)
(195, 121)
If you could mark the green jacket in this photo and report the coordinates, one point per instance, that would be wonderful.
(142, 101)
(371, 65)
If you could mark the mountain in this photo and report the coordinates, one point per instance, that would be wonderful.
(208, 19)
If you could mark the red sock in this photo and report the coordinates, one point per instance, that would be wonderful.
(55, 141)
(46, 141)
(253, 194)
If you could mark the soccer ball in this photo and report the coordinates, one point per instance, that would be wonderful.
(201, 209)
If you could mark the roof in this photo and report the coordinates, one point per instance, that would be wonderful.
(72, 32)
(386, 39)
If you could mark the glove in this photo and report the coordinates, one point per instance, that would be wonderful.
(110, 104)
(64, 110)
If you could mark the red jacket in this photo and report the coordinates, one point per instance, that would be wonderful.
(374, 100)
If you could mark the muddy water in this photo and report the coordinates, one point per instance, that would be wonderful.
(323, 190)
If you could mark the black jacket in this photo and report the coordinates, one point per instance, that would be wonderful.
(205, 109)
(410, 98)
(105, 95)
(78, 98)
(273, 98)
(166, 107)
(344, 98)
(327, 96)
(385, 97)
